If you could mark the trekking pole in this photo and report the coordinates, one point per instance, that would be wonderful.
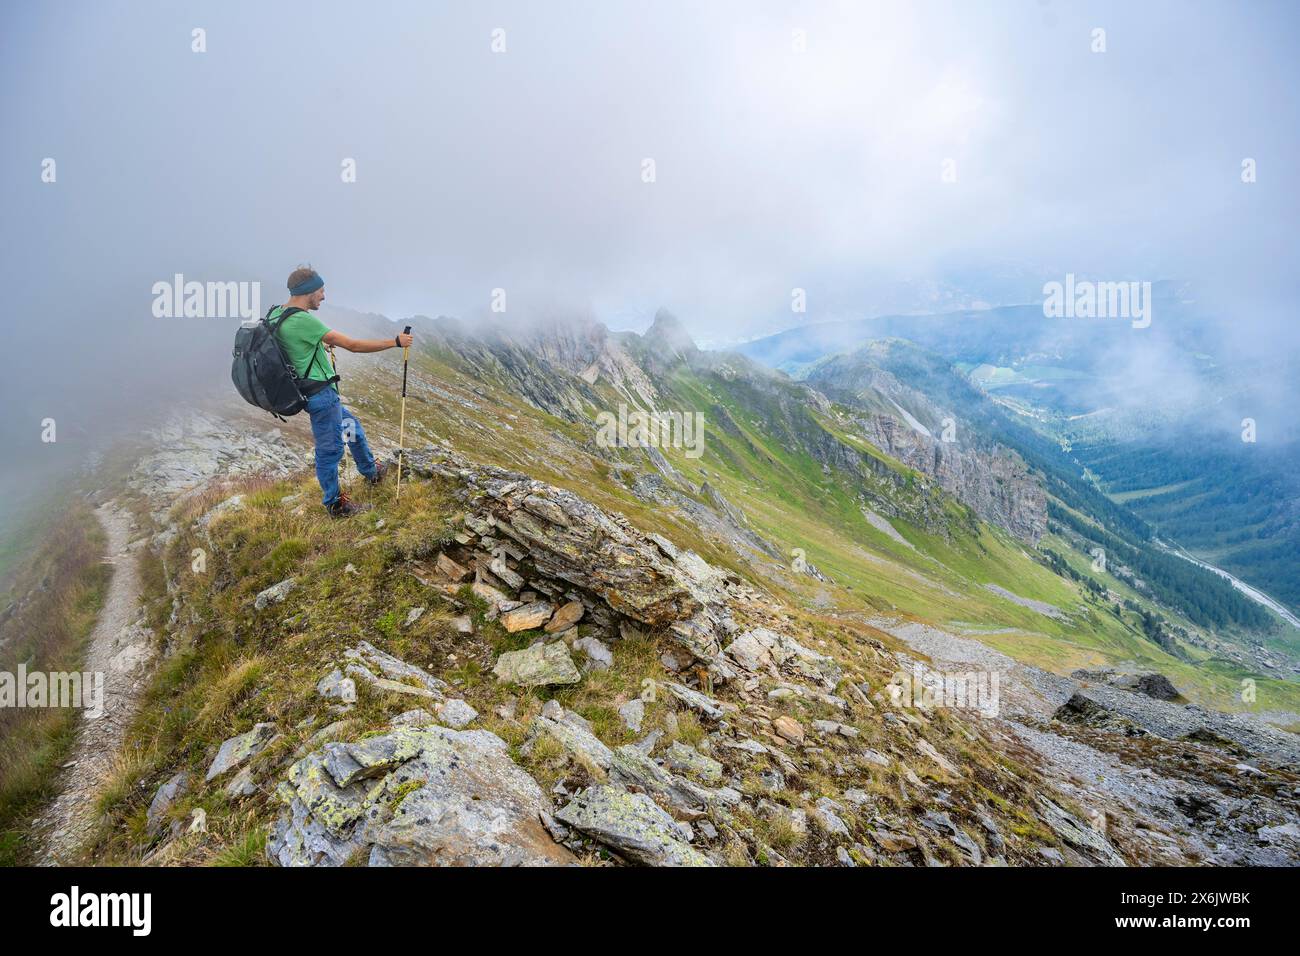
(401, 431)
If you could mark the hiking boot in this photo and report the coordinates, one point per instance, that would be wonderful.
(343, 507)
(381, 472)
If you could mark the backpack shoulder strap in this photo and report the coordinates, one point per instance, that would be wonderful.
(279, 320)
(275, 327)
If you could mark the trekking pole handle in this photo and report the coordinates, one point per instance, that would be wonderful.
(406, 331)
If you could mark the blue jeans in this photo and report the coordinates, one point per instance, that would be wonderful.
(332, 425)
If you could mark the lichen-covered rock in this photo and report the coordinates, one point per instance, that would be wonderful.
(163, 800)
(827, 814)
(413, 718)
(241, 784)
(1078, 834)
(433, 797)
(334, 686)
(765, 651)
(240, 749)
(372, 756)
(276, 594)
(633, 767)
(367, 658)
(632, 826)
(457, 714)
(573, 737)
(633, 713)
(537, 666)
(702, 703)
(686, 759)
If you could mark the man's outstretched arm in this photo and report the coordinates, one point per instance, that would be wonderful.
(336, 338)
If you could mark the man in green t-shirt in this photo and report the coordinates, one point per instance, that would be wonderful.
(305, 338)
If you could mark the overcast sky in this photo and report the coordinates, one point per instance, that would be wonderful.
(775, 169)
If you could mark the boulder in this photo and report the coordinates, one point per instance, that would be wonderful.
(696, 701)
(686, 759)
(573, 736)
(399, 676)
(163, 800)
(527, 617)
(240, 749)
(1082, 836)
(275, 594)
(789, 728)
(599, 655)
(241, 784)
(442, 798)
(631, 825)
(633, 713)
(334, 686)
(456, 713)
(826, 812)
(537, 666)
(565, 617)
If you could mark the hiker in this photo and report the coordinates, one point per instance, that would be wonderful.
(304, 337)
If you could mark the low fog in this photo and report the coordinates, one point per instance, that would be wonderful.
(886, 158)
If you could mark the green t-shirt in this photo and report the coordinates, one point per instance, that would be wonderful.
(301, 335)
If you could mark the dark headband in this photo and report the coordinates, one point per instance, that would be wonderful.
(307, 286)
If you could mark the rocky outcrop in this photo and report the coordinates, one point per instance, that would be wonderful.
(426, 796)
(1151, 684)
(195, 450)
(563, 545)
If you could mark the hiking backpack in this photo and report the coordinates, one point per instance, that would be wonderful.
(262, 373)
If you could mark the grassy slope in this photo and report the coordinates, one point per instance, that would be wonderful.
(791, 503)
(234, 666)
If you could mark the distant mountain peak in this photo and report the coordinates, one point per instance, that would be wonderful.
(667, 330)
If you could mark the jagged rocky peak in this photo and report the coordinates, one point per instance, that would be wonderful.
(669, 339)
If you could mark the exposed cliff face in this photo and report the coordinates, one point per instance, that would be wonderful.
(553, 364)
(905, 424)
(995, 484)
